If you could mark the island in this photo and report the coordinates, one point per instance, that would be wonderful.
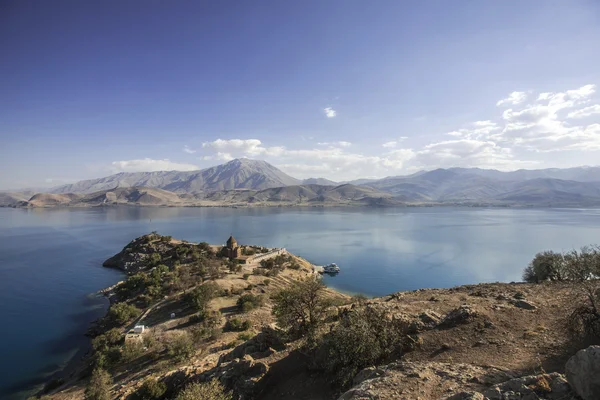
(242, 321)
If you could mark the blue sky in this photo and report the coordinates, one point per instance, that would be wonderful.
(339, 89)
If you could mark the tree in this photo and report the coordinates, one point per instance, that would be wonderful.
(199, 298)
(248, 302)
(181, 346)
(546, 265)
(121, 313)
(301, 307)
(364, 337)
(151, 389)
(99, 386)
(212, 390)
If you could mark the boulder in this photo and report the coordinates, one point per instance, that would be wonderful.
(546, 386)
(460, 315)
(466, 396)
(524, 304)
(583, 373)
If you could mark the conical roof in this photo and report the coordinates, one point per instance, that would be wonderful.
(231, 241)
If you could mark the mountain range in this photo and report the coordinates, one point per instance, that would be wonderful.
(245, 181)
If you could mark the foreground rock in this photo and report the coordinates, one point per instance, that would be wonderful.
(583, 373)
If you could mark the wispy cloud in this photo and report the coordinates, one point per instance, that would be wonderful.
(513, 99)
(329, 112)
(188, 150)
(335, 144)
(585, 112)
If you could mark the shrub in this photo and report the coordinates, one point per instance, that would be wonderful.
(245, 336)
(165, 238)
(212, 390)
(121, 313)
(584, 320)
(99, 386)
(300, 308)
(180, 346)
(151, 389)
(266, 282)
(199, 298)
(237, 325)
(294, 265)
(132, 350)
(249, 287)
(363, 338)
(574, 265)
(546, 265)
(248, 302)
(107, 339)
(154, 259)
(246, 276)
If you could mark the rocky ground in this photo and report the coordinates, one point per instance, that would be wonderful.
(488, 341)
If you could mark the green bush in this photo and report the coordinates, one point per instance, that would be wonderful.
(180, 346)
(99, 385)
(248, 302)
(244, 336)
(246, 276)
(578, 266)
(199, 298)
(237, 325)
(151, 389)
(266, 282)
(132, 350)
(121, 313)
(212, 390)
(363, 338)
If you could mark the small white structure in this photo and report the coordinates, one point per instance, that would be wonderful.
(139, 329)
(172, 315)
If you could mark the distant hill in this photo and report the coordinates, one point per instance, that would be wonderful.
(236, 174)
(254, 182)
(319, 181)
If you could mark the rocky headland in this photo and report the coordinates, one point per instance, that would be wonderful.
(208, 319)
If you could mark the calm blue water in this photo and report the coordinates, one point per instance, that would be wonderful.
(50, 260)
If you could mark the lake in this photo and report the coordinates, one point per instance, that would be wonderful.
(50, 260)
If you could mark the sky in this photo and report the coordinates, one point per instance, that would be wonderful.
(341, 89)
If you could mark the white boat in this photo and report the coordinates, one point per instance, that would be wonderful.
(331, 268)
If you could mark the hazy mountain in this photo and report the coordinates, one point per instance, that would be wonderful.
(236, 174)
(460, 185)
(319, 181)
(579, 174)
(247, 181)
(11, 198)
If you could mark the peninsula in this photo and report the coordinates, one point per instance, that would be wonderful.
(241, 321)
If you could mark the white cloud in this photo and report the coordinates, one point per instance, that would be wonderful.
(149, 165)
(335, 144)
(329, 112)
(513, 99)
(187, 149)
(585, 112)
(522, 135)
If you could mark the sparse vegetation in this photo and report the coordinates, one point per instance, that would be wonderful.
(151, 389)
(212, 390)
(199, 298)
(301, 307)
(249, 302)
(581, 266)
(362, 338)
(237, 325)
(180, 346)
(99, 385)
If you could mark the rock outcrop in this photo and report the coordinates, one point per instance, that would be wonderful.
(583, 373)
